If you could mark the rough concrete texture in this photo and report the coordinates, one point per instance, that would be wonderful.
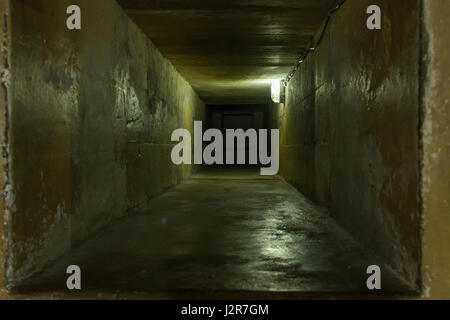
(349, 134)
(92, 114)
(91, 111)
(230, 50)
(224, 230)
(436, 150)
(4, 94)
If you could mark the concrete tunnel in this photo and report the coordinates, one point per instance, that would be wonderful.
(87, 176)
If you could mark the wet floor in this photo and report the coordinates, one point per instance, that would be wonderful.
(221, 231)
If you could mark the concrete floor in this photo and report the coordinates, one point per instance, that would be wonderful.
(221, 231)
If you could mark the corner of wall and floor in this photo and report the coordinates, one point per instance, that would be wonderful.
(349, 135)
(93, 111)
(346, 129)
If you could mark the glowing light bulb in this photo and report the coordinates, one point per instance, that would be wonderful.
(277, 92)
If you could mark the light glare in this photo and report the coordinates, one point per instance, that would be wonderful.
(276, 91)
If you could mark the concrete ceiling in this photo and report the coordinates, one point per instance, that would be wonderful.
(230, 50)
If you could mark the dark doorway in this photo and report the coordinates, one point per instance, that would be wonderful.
(223, 117)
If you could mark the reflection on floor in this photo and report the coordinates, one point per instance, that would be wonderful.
(221, 231)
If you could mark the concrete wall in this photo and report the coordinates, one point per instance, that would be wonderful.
(4, 92)
(92, 112)
(436, 151)
(349, 129)
(86, 107)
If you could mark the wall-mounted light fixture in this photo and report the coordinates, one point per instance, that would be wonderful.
(278, 91)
